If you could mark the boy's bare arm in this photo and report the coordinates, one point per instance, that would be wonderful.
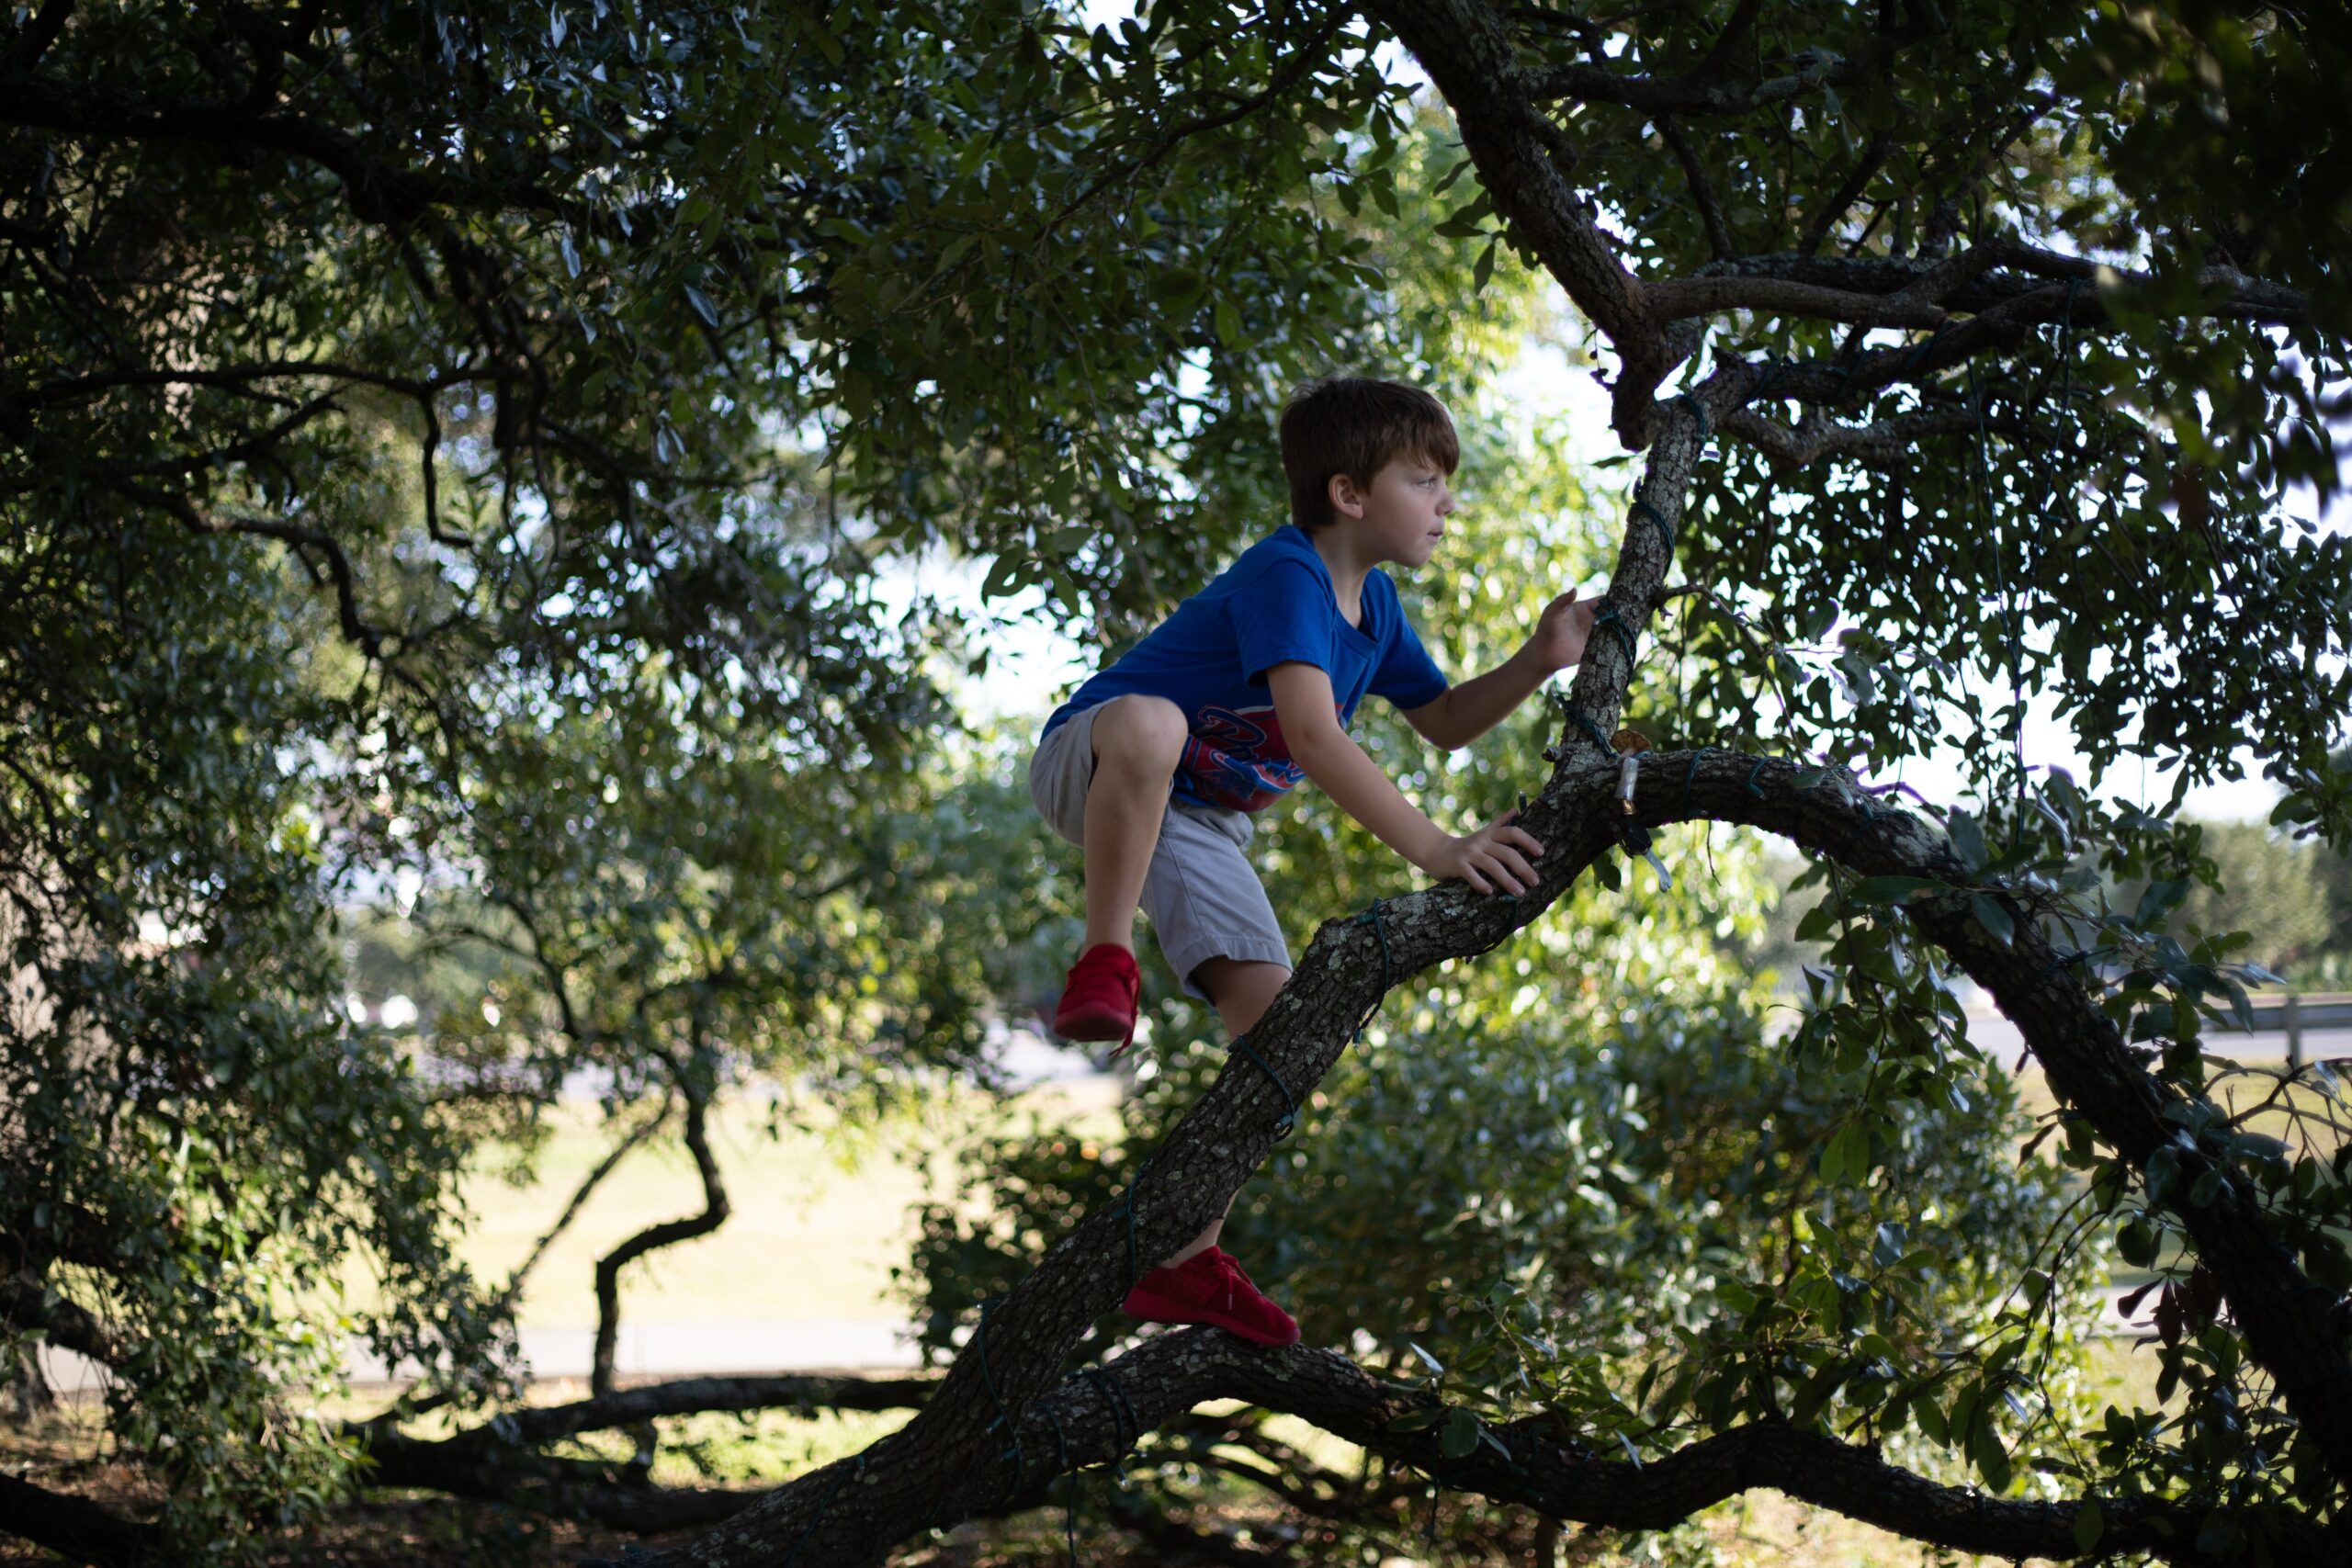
(1496, 855)
(1476, 705)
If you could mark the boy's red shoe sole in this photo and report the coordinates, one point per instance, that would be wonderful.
(1097, 1021)
(1100, 996)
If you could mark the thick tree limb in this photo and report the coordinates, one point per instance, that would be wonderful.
(1081, 1422)
(499, 1460)
(76, 1528)
(1676, 298)
(1998, 271)
(379, 192)
(69, 1327)
(1887, 444)
(1521, 159)
(27, 42)
(613, 1494)
(1715, 90)
(687, 1396)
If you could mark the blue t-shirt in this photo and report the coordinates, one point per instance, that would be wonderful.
(1274, 606)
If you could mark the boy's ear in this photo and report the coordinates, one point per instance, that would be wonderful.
(1345, 495)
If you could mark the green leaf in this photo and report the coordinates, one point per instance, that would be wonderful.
(1460, 1438)
(1846, 1160)
(1890, 889)
(1484, 269)
(1004, 578)
(1993, 919)
(703, 307)
(1992, 1458)
(1228, 322)
(2218, 1539)
(2159, 900)
(1177, 283)
(1967, 838)
(957, 249)
(2089, 1525)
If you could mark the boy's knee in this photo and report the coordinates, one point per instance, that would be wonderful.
(1139, 727)
(1240, 989)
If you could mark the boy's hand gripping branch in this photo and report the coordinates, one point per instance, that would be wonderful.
(1494, 856)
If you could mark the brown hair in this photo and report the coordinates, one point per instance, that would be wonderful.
(1355, 425)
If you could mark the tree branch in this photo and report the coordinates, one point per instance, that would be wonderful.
(1673, 298)
(1287, 76)
(1867, 163)
(678, 1397)
(356, 630)
(1703, 190)
(378, 192)
(28, 42)
(499, 1460)
(23, 1304)
(76, 1528)
(579, 1196)
(1890, 443)
(653, 1237)
(1082, 1422)
(1703, 92)
(1520, 156)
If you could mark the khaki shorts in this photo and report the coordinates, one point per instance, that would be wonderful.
(1203, 895)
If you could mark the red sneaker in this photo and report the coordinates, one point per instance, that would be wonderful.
(1100, 997)
(1210, 1287)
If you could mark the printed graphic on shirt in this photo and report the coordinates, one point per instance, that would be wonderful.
(1238, 759)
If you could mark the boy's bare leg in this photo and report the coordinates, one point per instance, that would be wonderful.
(1242, 992)
(1137, 740)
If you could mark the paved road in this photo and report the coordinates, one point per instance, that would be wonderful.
(1999, 1035)
(651, 1350)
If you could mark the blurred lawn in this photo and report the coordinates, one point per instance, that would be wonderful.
(817, 1220)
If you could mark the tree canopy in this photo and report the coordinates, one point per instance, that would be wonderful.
(467, 438)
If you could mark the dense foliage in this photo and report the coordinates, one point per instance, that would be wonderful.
(465, 443)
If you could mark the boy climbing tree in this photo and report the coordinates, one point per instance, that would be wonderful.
(1156, 764)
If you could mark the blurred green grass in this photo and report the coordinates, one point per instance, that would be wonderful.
(818, 1218)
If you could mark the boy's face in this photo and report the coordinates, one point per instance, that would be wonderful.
(1401, 517)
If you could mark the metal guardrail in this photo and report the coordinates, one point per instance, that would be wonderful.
(2291, 1014)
